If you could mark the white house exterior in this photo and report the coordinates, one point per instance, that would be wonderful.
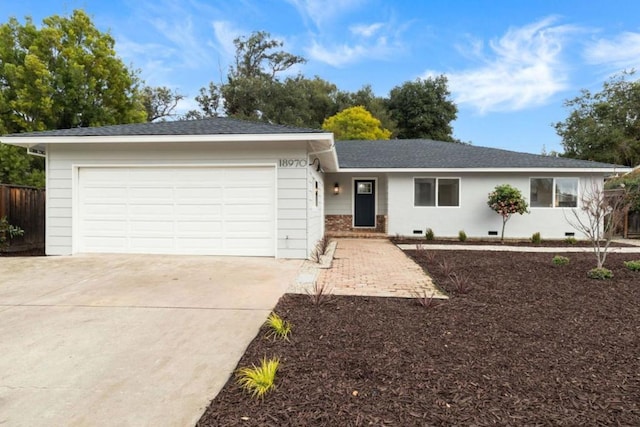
(228, 187)
(212, 187)
(422, 184)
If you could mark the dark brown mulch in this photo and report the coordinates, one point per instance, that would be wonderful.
(543, 244)
(529, 344)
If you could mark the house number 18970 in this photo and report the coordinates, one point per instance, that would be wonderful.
(292, 163)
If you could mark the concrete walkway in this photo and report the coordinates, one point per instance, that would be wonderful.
(371, 267)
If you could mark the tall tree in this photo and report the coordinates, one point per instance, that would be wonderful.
(355, 123)
(160, 102)
(252, 81)
(423, 109)
(604, 126)
(63, 74)
(374, 104)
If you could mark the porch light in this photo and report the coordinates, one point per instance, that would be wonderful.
(336, 189)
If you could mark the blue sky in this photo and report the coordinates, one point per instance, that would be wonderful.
(510, 64)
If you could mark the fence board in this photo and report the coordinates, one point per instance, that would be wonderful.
(24, 207)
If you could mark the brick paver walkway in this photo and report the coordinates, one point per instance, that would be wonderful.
(374, 267)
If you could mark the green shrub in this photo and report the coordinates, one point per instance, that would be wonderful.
(462, 236)
(259, 380)
(633, 265)
(279, 328)
(536, 238)
(8, 232)
(571, 240)
(429, 235)
(560, 260)
(599, 273)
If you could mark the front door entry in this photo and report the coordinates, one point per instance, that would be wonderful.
(364, 203)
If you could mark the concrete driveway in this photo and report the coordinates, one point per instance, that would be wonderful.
(135, 340)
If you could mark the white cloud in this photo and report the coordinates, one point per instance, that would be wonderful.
(225, 33)
(621, 52)
(322, 11)
(522, 69)
(366, 30)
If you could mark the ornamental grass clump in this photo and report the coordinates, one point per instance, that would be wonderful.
(278, 328)
(429, 234)
(600, 273)
(536, 238)
(259, 380)
(506, 200)
(633, 265)
(559, 260)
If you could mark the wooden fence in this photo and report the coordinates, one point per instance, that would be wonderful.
(24, 207)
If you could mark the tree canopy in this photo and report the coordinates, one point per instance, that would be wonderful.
(423, 109)
(506, 200)
(604, 126)
(355, 123)
(63, 74)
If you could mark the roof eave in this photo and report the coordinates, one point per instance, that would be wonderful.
(476, 169)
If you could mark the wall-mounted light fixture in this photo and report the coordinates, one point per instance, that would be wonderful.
(336, 189)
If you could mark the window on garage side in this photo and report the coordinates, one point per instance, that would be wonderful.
(554, 192)
(436, 192)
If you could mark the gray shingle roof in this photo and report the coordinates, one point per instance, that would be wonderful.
(427, 154)
(211, 126)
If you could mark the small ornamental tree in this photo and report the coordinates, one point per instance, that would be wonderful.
(506, 201)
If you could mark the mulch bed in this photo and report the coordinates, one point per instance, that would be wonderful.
(493, 242)
(528, 344)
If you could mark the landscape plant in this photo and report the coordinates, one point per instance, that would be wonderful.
(279, 328)
(633, 265)
(259, 380)
(506, 200)
(536, 238)
(560, 260)
(429, 234)
(571, 240)
(319, 294)
(8, 232)
(600, 273)
(598, 216)
(462, 236)
(425, 300)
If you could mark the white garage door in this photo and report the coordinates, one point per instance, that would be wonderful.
(177, 210)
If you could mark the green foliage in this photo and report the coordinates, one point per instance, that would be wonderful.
(372, 103)
(506, 201)
(536, 238)
(279, 328)
(604, 126)
(17, 167)
(462, 236)
(355, 123)
(633, 265)
(631, 184)
(423, 109)
(159, 102)
(600, 273)
(559, 260)
(64, 74)
(429, 234)
(8, 232)
(571, 240)
(259, 380)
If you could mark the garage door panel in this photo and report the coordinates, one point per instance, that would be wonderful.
(201, 210)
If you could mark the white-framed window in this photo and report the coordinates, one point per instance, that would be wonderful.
(554, 192)
(436, 192)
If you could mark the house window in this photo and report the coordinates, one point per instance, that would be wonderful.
(554, 192)
(436, 192)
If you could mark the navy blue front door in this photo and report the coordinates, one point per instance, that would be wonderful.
(364, 203)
